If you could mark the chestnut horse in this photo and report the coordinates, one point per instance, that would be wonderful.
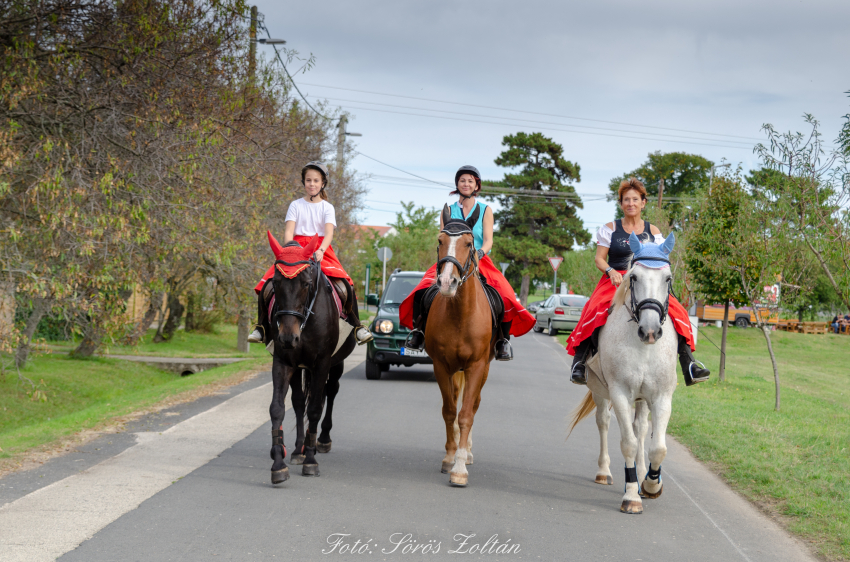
(460, 339)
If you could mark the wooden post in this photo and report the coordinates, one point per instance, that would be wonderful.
(660, 191)
(722, 374)
(252, 45)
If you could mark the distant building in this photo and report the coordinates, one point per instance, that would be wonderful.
(383, 231)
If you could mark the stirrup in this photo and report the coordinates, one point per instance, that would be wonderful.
(364, 339)
(509, 351)
(258, 335)
(410, 335)
(579, 378)
(690, 380)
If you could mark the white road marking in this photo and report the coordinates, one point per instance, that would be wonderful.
(49, 522)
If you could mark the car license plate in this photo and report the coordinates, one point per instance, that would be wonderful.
(407, 352)
(575, 313)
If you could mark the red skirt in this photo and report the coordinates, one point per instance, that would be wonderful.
(595, 313)
(522, 320)
(330, 264)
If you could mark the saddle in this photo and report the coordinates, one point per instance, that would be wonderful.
(339, 286)
(494, 299)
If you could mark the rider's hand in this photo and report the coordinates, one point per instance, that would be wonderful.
(480, 254)
(616, 277)
(320, 253)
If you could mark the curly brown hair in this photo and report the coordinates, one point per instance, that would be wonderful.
(631, 183)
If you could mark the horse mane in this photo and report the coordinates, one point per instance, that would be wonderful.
(623, 290)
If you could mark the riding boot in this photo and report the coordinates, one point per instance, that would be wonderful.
(577, 371)
(693, 370)
(416, 338)
(504, 351)
(361, 334)
(258, 335)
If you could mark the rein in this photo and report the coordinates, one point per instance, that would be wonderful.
(467, 269)
(295, 313)
(652, 304)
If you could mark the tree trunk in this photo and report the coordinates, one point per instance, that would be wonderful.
(144, 324)
(766, 331)
(91, 341)
(242, 323)
(826, 270)
(40, 308)
(189, 324)
(523, 288)
(175, 314)
(722, 374)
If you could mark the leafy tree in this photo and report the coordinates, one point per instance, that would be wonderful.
(683, 174)
(541, 221)
(579, 271)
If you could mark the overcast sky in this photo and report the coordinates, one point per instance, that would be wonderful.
(715, 71)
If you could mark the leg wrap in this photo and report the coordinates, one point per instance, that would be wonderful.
(631, 475)
(277, 439)
(654, 474)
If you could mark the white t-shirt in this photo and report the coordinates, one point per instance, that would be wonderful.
(603, 236)
(310, 218)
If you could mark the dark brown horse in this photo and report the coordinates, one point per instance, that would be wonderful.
(459, 337)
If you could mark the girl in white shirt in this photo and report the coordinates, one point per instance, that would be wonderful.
(309, 216)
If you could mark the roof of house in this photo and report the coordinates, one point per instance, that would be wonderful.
(381, 230)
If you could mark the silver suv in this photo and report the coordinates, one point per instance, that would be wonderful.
(559, 312)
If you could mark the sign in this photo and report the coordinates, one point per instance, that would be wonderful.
(555, 262)
(504, 265)
(385, 254)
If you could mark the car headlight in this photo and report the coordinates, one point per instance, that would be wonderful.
(385, 326)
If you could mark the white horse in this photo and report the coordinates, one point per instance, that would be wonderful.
(636, 364)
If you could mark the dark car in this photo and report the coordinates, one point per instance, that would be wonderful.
(387, 345)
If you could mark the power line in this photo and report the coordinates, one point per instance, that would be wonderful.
(545, 128)
(536, 121)
(533, 112)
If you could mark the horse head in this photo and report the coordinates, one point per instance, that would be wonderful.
(296, 284)
(456, 258)
(647, 286)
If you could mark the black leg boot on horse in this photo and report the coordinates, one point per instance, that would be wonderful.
(416, 338)
(259, 333)
(693, 371)
(361, 333)
(504, 351)
(578, 371)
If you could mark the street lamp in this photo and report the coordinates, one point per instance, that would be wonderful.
(271, 41)
(340, 143)
(711, 175)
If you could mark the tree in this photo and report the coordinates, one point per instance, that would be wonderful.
(683, 174)
(539, 221)
(709, 232)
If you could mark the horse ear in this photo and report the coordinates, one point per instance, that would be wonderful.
(668, 244)
(447, 214)
(473, 218)
(311, 246)
(276, 247)
(634, 243)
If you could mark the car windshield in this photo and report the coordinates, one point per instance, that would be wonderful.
(576, 301)
(398, 288)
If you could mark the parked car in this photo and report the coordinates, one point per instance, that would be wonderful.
(387, 346)
(532, 308)
(559, 312)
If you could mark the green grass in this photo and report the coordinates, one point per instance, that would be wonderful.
(81, 394)
(183, 344)
(795, 462)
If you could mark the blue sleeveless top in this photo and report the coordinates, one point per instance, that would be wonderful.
(478, 229)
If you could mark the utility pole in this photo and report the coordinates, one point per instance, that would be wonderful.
(660, 191)
(340, 143)
(252, 45)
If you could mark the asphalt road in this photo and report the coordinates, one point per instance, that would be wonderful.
(381, 485)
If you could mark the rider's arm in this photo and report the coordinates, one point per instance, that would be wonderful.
(601, 259)
(288, 232)
(488, 231)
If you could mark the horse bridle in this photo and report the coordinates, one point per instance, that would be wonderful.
(309, 312)
(654, 304)
(467, 269)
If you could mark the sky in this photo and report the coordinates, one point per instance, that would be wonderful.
(610, 80)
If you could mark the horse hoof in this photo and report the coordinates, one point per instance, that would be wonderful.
(604, 479)
(279, 476)
(296, 459)
(459, 480)
(646, 494)
(309, 470)
(447, 466)
(631, 507)
(324, 447)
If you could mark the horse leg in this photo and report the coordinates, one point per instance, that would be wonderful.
(315, 405)
(281, 376)
(628, 445)
(298, 406)
(661, 410)
(603, 421)
(469, 437)
(471, 388)
(447, 385)
(323, 445)
(640, 426)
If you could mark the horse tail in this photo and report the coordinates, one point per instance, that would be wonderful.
(584, 409)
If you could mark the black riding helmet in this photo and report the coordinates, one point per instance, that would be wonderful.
(472, 170)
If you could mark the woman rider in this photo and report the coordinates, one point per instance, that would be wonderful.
(613, 246)
(516, 320)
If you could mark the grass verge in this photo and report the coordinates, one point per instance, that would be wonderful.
(77, 395)
(794, 463)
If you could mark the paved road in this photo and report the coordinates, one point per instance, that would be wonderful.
(382, 483)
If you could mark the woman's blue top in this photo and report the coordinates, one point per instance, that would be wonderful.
(478, 229)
